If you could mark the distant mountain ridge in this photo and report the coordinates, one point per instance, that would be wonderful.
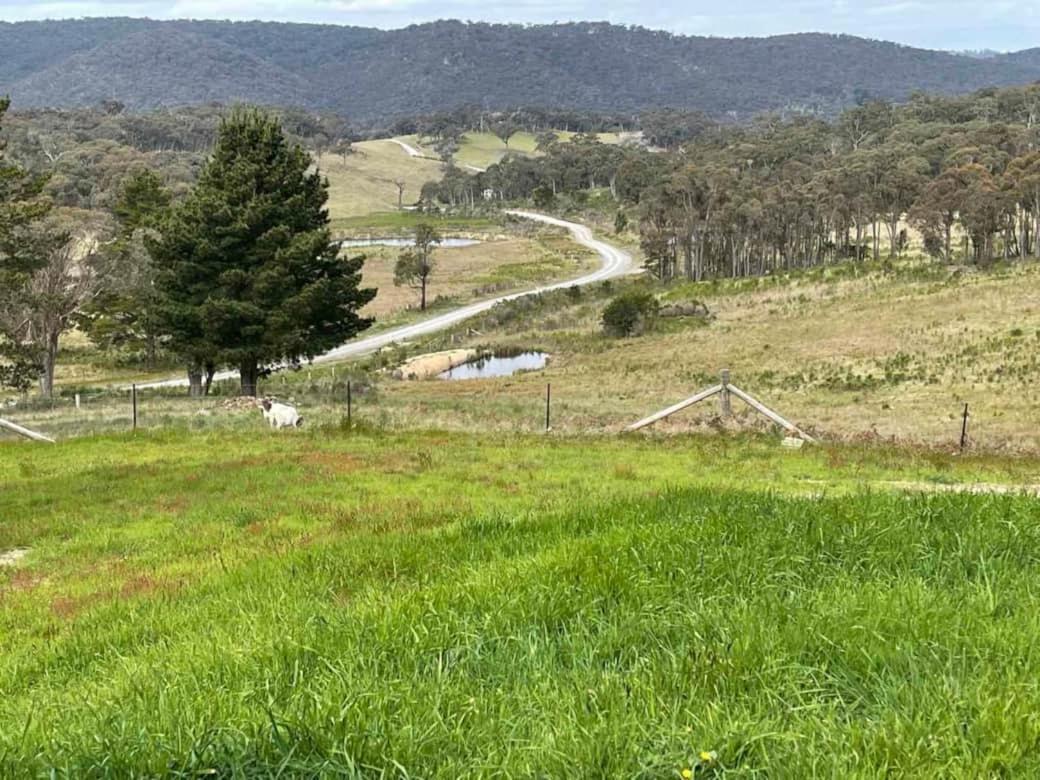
(372, 75)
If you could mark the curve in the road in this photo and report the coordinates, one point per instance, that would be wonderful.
(616, 262)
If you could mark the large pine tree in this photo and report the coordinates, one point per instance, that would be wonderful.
(248, 273)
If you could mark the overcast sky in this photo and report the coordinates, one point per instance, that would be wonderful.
(939, 24)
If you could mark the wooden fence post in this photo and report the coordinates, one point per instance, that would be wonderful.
(349, 404)
(725, 407)
(964, 429)
(133, 403)
(548, 404)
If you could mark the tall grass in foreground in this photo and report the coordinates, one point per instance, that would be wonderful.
(863, 635)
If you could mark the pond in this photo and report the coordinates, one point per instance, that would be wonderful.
(448, 243)
(493, 365)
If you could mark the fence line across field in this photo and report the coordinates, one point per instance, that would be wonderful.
(725, 390)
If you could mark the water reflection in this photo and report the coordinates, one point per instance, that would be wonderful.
(492, 365)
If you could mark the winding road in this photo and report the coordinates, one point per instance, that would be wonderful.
(616, 262)
(414, 151)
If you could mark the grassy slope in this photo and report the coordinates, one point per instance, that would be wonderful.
(364, 182)
(467, 273)
(850, 352)
(481, 150)
(438, 605)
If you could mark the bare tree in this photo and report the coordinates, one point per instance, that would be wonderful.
(53, 297)
(414, 266)
(400, 184)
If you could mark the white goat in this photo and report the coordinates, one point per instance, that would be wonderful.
(280, 415)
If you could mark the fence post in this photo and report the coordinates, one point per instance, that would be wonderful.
(77, 401)
(349, 405)
(725, 407)
(964, 429)
(133, 403)
(548, 404)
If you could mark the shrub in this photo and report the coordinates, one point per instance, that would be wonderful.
(630, 314)
(544, 197)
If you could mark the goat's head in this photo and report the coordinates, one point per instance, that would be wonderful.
(266, 404)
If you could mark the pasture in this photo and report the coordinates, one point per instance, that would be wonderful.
(348, 603)
(478, 271)
(854, 351)
(481, 150)
(363, 182)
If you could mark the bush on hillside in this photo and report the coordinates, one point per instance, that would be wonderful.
(630, 314)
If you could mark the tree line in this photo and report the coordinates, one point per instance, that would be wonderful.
(242, 271)
(743, 200)
(87, 154)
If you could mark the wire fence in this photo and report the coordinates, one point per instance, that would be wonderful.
(324, 399)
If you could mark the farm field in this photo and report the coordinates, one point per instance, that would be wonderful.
(852, 351)
(444, 605)
(849, 352)
(474, 271)
(481, 150)
(363, 183)
(508, 259)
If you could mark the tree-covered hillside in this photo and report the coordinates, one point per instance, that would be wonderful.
(370, 74)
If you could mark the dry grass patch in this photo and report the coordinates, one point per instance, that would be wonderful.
(474, 271)
(363, 183)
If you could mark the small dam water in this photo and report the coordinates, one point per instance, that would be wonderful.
(448, 243)
(492, 366)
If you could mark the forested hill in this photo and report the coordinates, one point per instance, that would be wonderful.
(370, 74)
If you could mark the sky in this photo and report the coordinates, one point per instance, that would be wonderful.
(1002, 25)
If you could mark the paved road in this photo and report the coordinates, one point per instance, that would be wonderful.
(616, 262)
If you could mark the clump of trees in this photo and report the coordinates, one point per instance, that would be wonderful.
(778, 194)
(47, 275)
(124, 315)
(20, 207)
(88, 153)
(241, 271)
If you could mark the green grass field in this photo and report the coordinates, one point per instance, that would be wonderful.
(244, 604)
(363, 183)
(481, 150)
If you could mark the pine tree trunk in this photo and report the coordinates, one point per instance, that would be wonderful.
(422, 294)
(195, 381)
(250, 374)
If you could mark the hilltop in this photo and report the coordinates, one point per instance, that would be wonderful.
(370, 74)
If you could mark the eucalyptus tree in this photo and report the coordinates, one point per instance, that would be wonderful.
(22, 208)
